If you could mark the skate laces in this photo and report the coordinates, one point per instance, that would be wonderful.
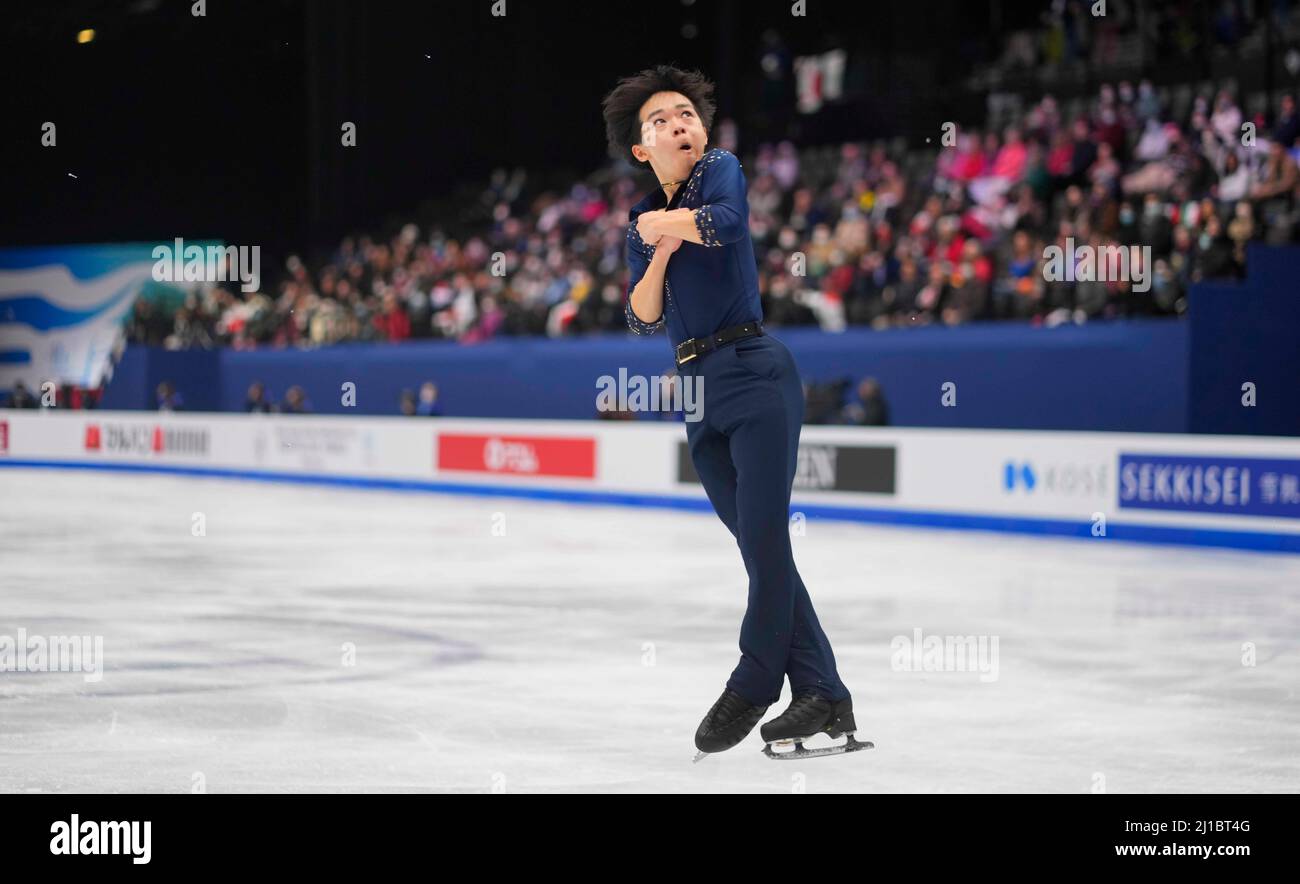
(804, 707)
(729, 705)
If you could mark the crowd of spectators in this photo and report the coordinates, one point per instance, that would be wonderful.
(875, 235)
(258, 400)
(1073, 37)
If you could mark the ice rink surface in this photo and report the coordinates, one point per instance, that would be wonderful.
(322, 639)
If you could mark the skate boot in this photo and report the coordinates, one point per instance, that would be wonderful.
(727, 723)
(809, 714)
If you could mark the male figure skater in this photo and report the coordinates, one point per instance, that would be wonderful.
(692, 269)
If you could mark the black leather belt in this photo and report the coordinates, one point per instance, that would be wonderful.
(695, 347)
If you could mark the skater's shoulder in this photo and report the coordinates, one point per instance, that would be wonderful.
(719, 159)
(717, 168)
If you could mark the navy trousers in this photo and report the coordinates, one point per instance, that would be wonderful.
(745, 449)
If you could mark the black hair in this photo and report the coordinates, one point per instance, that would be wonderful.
(622, 106)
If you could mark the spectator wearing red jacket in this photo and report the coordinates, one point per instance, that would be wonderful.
(392, 321)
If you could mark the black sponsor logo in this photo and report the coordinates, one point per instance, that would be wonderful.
(867, 469)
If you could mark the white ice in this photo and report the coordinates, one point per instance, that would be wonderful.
(578, 649)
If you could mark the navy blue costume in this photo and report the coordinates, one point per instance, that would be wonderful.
(746, 446)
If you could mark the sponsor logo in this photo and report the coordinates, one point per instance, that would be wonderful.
(1066, 480)
(1022, 473)
(4, 437)
(518, 455)
(315, 447)
(861, 468)
(141, 439)
(1252, 486)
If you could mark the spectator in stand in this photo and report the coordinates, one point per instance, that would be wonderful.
(392, 322)
(429, 405)
(1007, 169)
(406, 404)
(1153, 146)
(167, 398)
(1278, 178)
(1226, 120)
(1154, 228)
(257, 402)
(1234, 180)
(189, 332)
(1105, 171)
(147, 324)
(1085, 150)
(21, 397)
(1241, 229)
(870, 409)
(1215, 253)
(295, 401)
(970, 285)
(1287, 128)
(1020, 289)
(930, 300)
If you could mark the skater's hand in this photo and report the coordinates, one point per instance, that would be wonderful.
(669, 244)
(647, 226)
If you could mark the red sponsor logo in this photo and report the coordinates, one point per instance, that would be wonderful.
(4, 437)
(518, 455)
(141, 440)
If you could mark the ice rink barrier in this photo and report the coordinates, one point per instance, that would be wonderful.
(1231, 491)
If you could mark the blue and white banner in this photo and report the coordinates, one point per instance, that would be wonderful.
(1251, 486)
(63, 311)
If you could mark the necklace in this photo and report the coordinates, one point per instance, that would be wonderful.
(671, 183)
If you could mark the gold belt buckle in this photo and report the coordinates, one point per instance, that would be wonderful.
(680, 360)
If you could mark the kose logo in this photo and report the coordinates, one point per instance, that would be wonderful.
(1023, 474)
(1064, 479)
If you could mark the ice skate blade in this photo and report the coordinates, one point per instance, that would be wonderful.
(849, 745)
(699, 756)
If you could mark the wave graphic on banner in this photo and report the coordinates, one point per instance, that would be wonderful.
(61, 323)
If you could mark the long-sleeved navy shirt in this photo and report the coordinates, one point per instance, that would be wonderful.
(711, 286)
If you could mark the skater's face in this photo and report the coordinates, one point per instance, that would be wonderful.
(672, 137)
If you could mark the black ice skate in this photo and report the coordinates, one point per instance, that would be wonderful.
(726, 724)
(807, 715)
